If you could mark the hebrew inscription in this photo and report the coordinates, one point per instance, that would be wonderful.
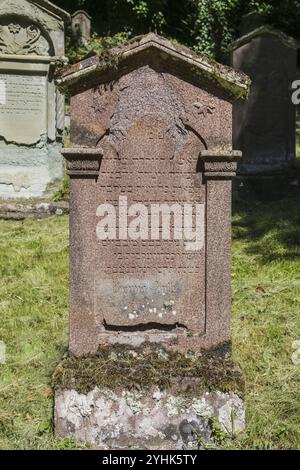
(156, 163)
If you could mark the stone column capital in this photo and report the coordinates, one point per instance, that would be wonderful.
(220, 164)
(82, 161)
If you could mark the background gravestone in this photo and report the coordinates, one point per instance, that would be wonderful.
(81, 27)
(31, 109)
(151, 122)
(250, 22)
(264, 126)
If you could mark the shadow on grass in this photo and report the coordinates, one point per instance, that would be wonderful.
(270, 228)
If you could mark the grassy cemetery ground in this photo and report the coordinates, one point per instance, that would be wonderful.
(266, 288)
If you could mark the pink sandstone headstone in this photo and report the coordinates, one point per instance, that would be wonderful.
(151, 124)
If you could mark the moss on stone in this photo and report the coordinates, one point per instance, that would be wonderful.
(119, 367)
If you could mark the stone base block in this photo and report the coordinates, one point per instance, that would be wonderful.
(150, 419)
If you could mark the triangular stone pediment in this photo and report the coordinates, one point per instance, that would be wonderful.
(150, 49)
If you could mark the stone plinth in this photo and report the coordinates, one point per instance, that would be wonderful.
(154, 420)
(130, 400)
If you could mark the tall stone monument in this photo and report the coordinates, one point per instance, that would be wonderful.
(31, 109)
(264, 125)
(81, 27)
(151, 165)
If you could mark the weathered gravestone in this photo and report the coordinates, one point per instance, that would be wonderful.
(250, 22)
(31, 109)
(81, 27)
(264, 125)
(151, 133)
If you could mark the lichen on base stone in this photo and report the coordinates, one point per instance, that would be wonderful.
(143, 399)
(152, 419)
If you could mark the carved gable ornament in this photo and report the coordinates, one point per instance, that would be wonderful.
(32, 27)
(22, 39)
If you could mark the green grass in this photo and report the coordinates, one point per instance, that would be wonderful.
(266, 288)
(33, 309)
(266, 292)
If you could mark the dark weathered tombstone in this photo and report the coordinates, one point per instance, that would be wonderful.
(31, 109)
(81, 27)
(151, 132)
(250, 22)
(264, 125)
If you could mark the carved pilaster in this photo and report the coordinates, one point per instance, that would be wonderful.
(219, 169)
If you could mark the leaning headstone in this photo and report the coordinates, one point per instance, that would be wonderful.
(31, 109)
(264, 125)
(151, 165)
(81, 27)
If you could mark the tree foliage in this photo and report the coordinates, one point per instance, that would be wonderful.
(208, 26)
